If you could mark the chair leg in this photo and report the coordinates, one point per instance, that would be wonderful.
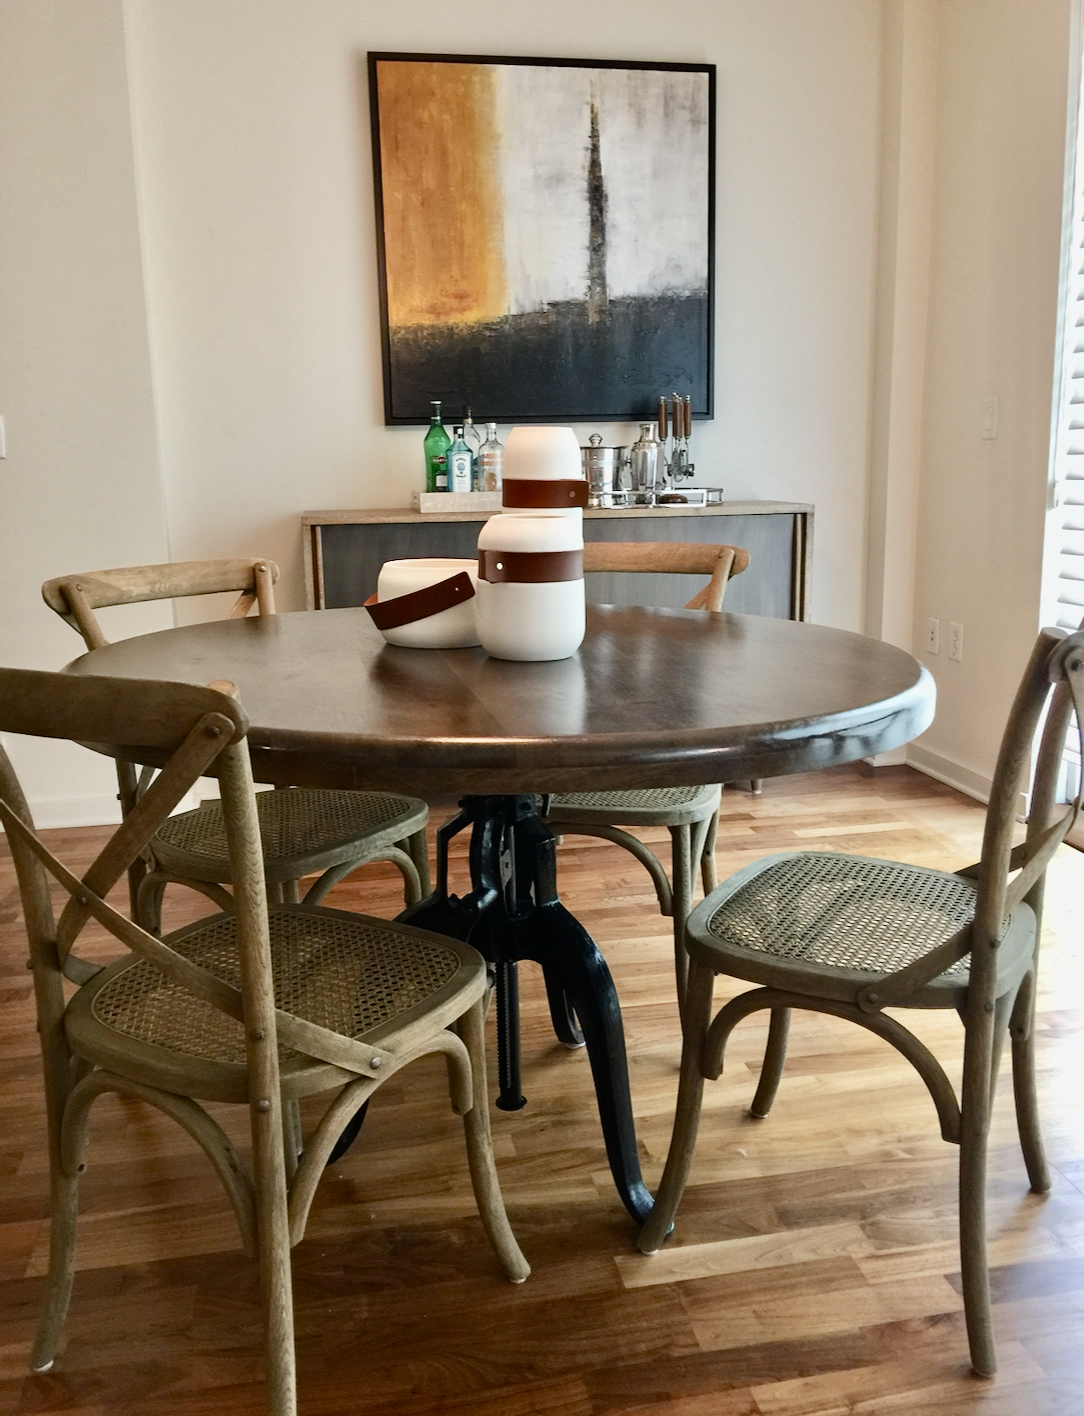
(417, 849)
(64, 1213)
(128, 796)
(291, 894)
(148, 902)
(334, 873)
(687, 1115)
(627, 841)
(682, 876)
(293, 1140)
(708, 873)
(771, 1070)
(1022, 1032)
(483, 1168)
(273, 1248)
(982, 1045)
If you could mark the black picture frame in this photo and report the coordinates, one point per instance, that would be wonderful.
(490, 134)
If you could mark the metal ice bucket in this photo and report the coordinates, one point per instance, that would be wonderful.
(603, 466)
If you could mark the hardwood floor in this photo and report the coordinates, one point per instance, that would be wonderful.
(814, 1267)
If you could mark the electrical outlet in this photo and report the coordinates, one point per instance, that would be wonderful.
(956, 641)
(989, 419)
(933, 636)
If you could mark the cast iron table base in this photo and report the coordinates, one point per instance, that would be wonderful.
(513, 913)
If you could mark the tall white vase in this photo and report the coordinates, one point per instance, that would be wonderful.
(543, 473)
(530, 602)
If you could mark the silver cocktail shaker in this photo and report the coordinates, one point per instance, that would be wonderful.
(645, 463)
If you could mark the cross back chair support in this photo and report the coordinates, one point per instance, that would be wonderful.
(689, 813)
(851, 936)
(257, 1006)
(304, 831)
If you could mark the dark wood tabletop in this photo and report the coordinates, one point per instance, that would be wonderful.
(652, 698)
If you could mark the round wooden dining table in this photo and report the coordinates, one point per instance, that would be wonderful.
(652, 698)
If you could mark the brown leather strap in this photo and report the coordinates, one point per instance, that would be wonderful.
(420, 604)
(565, 492)
(529, 567)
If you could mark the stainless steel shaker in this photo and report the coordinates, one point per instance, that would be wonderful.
(645, 462)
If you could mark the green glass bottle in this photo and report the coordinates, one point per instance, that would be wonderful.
(437, 443)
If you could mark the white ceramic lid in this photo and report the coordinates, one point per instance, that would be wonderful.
(536, 454)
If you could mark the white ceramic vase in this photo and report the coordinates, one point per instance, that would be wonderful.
(453, 628)
(530, 599)
(543, 472)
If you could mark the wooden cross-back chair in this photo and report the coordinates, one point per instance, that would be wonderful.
(258, 1006)
(304, 830)
(851, 936)
(689, 813)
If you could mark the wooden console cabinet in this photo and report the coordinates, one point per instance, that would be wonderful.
(344, 550)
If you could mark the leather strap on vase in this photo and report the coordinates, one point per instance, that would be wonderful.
(565, 492)
(529, 567)
(420, 604)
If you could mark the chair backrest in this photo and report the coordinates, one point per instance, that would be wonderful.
(182, 725)
(186, 727)
(1052, 684)
(722, 563)
(76, 597)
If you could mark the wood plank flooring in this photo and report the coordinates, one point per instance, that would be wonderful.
(813, 1272)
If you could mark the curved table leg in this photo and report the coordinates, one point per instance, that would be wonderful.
(562, 1014)
(557, 941)
(348, 1135)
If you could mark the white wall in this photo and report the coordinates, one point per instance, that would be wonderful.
(255, 171)
(80, 487)
(1001, 120)
(853, 137)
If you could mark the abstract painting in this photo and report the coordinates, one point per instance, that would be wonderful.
(545, 230)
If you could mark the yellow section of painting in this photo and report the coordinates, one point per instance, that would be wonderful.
(442, 194)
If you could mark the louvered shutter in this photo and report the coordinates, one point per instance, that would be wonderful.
(1064, 570)
(1067, 560)
(1064, 587)
(1066, 556)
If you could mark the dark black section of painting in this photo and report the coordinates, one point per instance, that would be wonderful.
(566, 362)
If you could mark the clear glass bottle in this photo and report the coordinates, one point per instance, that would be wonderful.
(489, 468)
(460, 463)
(437, 443)
(471, 435)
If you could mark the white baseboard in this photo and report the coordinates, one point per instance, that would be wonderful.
(50, 812)
(944, 769)
(895, 757)
(101, 810)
